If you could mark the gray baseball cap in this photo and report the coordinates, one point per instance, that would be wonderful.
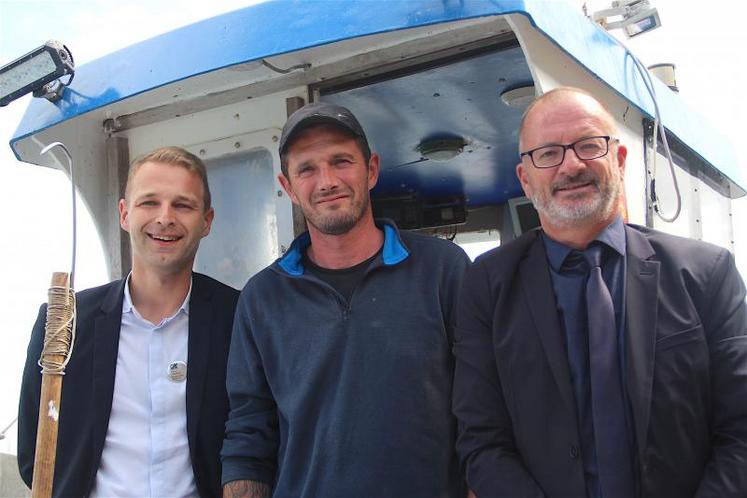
(319, 113)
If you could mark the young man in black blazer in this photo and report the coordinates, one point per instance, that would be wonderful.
(144, 400)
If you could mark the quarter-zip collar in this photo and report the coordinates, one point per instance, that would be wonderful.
(393, 251)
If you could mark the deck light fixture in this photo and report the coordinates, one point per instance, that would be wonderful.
(519, 97)
(637, 17)
(39, 72)
(441, 149)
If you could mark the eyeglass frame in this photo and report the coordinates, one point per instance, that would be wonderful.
(566, 147)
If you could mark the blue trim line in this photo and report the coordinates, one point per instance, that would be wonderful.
(291, 262)
(393, 252)
(394, 249)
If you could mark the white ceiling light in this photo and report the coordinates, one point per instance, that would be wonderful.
(441, 149)
(518, 97)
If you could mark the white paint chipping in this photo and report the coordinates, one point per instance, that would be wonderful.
(53, 412)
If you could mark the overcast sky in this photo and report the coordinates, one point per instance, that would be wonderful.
(706, 44)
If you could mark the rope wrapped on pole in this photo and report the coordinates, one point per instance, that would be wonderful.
(59, 337)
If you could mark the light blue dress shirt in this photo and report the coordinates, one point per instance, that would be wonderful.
(146, 452)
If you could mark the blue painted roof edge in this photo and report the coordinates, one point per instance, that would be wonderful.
(252, 34)
(161, 61)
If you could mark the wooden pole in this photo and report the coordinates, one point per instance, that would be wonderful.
(49, 411)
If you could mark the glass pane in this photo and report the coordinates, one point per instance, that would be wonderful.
(26, 73)
(243, 239)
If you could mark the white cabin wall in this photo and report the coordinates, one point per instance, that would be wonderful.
(552, 68)
(248, 116)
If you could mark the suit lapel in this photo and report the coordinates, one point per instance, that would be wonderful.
(200, 313)
(642, 281)
(540, 298)
(106, 344)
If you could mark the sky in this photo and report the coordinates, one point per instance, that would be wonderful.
(705, 43)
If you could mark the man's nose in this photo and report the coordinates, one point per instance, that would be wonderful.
(327, 178)
(571, 162)
(165, 215)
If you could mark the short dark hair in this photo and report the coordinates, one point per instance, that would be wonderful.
(361, 141)
(175, 156)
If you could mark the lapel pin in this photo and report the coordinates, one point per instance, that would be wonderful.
(177, 371)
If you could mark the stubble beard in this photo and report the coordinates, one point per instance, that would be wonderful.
(598, 208)
(338, 222)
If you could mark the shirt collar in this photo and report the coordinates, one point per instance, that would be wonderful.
(128, 307)
(612, 236)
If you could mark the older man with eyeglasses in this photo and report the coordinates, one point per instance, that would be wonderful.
(596, 358)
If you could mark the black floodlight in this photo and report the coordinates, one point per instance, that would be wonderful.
(39, 71)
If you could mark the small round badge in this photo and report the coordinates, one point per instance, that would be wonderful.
(177, 371)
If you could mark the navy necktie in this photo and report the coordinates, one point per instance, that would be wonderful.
(614, 457)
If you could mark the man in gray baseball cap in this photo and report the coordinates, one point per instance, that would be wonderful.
(340, 369)
(322, 113)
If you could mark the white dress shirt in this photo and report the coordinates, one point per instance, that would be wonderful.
(146, 452)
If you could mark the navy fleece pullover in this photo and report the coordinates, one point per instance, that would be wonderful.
(331, 398)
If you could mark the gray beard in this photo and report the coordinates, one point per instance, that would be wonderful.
(596, 209)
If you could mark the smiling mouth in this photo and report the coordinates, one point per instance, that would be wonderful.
(164, 238)
(572, 187)
(330, 199)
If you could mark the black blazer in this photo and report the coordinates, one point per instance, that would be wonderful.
(88, 385)
(686, 374)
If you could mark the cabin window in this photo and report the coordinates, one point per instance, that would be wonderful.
(243, 239)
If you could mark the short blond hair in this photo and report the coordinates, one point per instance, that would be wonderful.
(175, 156)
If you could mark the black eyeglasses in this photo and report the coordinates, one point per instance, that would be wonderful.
(550, 156)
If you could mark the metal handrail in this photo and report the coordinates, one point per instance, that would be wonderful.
(2, 433)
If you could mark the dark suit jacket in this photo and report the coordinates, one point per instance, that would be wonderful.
(686, 372)
(88, 385)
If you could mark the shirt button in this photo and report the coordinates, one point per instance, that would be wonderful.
(574, 451)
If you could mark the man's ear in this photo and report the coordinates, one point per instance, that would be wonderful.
(209, 216)
(521, 173)
(374, 168)
(285, 183)
(622, 154)
(124, 220)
